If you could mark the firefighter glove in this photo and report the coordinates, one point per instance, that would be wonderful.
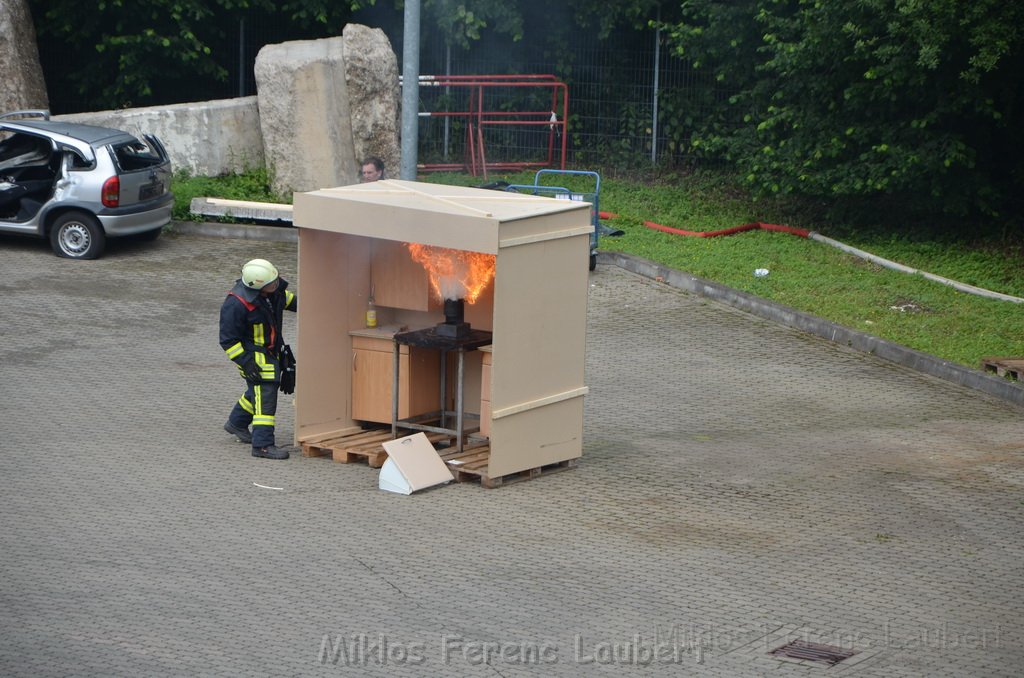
(251, 370)
(287, 362)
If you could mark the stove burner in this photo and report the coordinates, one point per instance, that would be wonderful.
(454, 324)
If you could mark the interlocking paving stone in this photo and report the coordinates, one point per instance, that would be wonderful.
(743, 485)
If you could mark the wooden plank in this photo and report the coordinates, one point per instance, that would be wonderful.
(377, 459)
(374, 456)
(474, 461)
(462, 458)
(372, 451)
(367, 439)
(539, 402)
(1005, 367)
(368, 446)
(468, 449)
(544, 470)
(527, 474)
(340, 456)
(368, 436)
(325, 446)
(318, 449)
(313, 451)
(241, 209)
(337, 435)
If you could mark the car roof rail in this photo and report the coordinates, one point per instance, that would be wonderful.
(28, 113)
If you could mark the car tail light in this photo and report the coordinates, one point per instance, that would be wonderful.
(111, 195)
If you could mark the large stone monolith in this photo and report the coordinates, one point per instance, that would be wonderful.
(371, 77)
(22, 85)
(326, 103)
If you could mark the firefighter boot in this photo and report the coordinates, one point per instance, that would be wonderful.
(270, 452)
(242, 434)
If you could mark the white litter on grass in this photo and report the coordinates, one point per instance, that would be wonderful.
(885, 263)
(266, 487)
(909, 306)
(760, 272)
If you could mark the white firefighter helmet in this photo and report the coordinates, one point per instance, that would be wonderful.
(258, 273)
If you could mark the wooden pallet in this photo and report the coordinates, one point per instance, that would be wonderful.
(1005, 367)
(471, 464)
(360, 446)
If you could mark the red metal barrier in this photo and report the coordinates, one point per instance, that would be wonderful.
(477, 119)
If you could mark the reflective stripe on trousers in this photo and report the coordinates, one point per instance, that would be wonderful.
(257, 406)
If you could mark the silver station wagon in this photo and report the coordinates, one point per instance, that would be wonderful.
(78, 185)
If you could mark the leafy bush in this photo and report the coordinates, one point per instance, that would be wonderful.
(252, 185)
(913, 103)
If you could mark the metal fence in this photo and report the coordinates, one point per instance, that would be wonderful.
(628, 107)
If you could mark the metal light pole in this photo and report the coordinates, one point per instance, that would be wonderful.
(654, 114)
(410, 90)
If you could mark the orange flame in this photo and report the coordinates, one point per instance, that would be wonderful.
(454, 274)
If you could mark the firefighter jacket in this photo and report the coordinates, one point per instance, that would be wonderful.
(250, 328)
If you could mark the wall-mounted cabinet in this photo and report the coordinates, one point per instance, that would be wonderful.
(399, 281)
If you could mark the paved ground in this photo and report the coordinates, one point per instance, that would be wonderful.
(743, 485)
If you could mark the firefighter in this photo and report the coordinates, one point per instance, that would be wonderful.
(250, 333)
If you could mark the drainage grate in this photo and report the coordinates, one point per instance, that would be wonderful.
(815, 652)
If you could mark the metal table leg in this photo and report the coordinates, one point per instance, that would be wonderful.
(394, 390)
(458, 399)
(444, 389)
(444, 416)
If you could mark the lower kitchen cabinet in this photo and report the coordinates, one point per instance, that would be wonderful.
(485, 392)
(373, 379)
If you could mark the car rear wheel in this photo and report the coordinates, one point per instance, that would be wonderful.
(77, 235)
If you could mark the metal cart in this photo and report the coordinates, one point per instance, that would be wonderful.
(538, 187)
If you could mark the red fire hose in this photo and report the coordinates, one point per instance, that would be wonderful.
(803, 233)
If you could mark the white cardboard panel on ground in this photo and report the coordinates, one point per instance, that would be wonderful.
(413, 464)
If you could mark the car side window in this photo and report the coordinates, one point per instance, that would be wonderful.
(77, 162)
(135, 155)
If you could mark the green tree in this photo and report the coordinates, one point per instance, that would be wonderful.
(610, 16)
(121, 53)
(463, 22)
(898, 99)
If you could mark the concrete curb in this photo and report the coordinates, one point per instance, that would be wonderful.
(860, 341)
(240, 231)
